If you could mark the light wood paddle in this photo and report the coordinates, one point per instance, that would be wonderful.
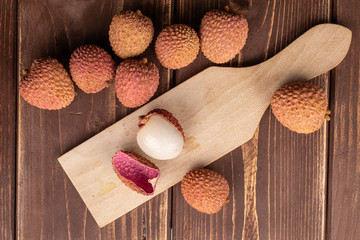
(219, 110)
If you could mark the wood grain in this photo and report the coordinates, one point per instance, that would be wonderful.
(273, 24)
(187, 222)
(343, 219)
(291, 194)
(7, 118)
(291, 168)
(251, 223)
(156, 213)
(48, 205)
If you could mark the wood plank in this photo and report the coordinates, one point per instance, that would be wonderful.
(292, 168)
(7, 118)
(48, 205)
(187, 222)
(343, 219)
(288, 178)
(251, 222)
(156, 213)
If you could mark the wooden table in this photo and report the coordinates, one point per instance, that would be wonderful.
(307, 186)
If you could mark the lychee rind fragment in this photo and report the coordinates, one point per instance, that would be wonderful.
(205, 190)
(130, 33)
(136, 172)
(222, 35)
(177, 46)
(136, 81)
(47, 85)
(91, 68)
(300, 106)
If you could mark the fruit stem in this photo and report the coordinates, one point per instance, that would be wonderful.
(327, 115)
(107, 83)
(144, 60)
(25, 72)
(227, 8)
(240, 6)
(138, 12)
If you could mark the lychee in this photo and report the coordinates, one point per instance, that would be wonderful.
(136, 172)
(205, 190)
(160, 135)
(91, 68)
(47, 85)
(136, 82)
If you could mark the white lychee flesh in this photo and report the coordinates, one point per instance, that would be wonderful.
(160, 139)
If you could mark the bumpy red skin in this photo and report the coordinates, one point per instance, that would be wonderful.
(91, 68)
(47, 85)
(173, 50)
(300, 106)
(136, 81)
(222, 35)
(130, 33)
(208, 195)
(131, 184)
(163, 113)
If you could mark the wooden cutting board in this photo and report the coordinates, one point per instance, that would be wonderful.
(219, 110)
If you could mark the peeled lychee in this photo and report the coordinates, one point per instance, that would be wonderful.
(130, 33)
(136, 82)
(136, 172)
(160, 135)
(47, 85)
(91, 68)
(205, 190)
(177, 46)
(300, 106)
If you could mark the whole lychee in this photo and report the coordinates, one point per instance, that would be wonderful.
(47, 85)
(130, 33)
(136, 172)
(205, 190)
(177, 46)
(91, 68)
(222, 35)
(136, 82)
(300, 106)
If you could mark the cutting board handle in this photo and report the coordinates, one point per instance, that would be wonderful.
(310, 55)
